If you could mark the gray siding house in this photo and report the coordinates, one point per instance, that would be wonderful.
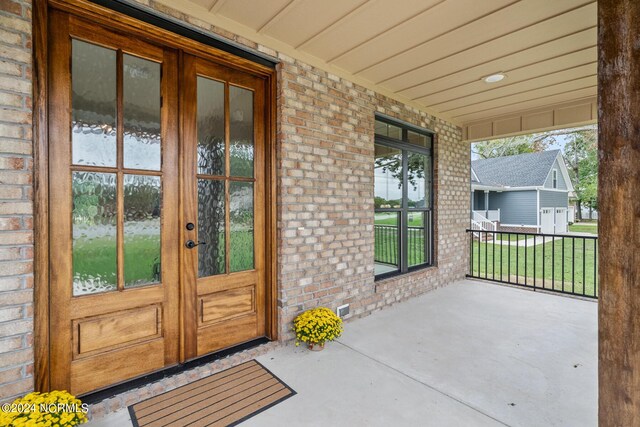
(527, 192)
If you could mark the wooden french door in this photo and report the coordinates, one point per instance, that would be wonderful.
(223, 206)
(156, 206)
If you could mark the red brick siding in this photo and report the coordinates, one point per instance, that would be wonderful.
(16, 234)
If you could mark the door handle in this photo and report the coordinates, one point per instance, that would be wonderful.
(191, 244)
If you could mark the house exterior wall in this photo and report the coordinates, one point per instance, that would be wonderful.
(554, 199)
(325, 150)
(562, 184)
(326, 183)
(516, 207)
(16, 191)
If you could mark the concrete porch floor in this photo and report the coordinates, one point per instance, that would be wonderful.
(472, 354)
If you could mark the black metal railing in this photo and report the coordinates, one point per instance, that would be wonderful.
(554, 262)
(416, 245)
(386, 244)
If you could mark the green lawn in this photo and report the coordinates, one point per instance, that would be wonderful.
(584, 228)
(414, 221)
(498, 262)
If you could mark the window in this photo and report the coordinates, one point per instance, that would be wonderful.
(554, 178)
(403, 171)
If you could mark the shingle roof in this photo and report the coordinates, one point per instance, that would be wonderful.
(522, 170)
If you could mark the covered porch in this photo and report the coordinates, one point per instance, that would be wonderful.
(471, 353)
(320, 78)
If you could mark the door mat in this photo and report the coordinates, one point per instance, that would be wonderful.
(222, 399)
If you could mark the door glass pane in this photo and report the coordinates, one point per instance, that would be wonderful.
(387, 237)
(388, 177)
(211, 227)
(241, 131)
(416, 238)
(418, 175)
(141, 113)
(210, 118)
(142, 207)
(93, 86)
(241, 218)
(94, 232)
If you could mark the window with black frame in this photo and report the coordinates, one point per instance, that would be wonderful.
(403, 198)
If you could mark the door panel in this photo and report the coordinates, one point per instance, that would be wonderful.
(223, 175)
(114, 280)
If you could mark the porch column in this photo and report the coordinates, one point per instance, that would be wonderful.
(619, 201)
(486, 204)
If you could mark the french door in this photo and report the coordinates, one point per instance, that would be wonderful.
(223, 177)
(156, 206)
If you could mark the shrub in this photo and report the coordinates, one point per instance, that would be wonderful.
(317, 326)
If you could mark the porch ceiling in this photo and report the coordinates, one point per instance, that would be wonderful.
(433, 53)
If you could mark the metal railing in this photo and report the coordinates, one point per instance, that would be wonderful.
(386, 244)
(553, 262)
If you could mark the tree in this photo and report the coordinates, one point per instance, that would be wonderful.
(581, 157)
(511, 146)
(418, 172)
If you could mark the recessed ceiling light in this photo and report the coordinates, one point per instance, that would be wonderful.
(494, 78)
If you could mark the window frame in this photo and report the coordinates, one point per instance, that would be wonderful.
(406, 148)
(554, 178)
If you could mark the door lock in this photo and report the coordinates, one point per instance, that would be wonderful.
(191, 244)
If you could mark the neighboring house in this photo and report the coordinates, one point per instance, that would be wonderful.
(526, 192)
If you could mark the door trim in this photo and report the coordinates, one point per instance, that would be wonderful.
(132, 27)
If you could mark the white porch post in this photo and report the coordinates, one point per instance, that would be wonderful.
(486, 203)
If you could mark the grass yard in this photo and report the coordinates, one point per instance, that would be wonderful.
(584, 228)
(414, 221)
(499, 261)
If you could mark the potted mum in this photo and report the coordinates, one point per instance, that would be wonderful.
(317, 326)
(56, 408)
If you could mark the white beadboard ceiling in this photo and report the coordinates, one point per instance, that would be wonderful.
(433, 53)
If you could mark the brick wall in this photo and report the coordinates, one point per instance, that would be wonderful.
(325, 208)
(16, 236)
(326, 156)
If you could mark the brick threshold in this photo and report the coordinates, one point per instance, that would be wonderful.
(131, 392)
